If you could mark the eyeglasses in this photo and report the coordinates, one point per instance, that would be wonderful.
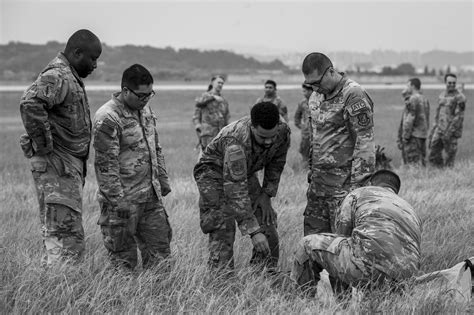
(317, 83)
(142, 96)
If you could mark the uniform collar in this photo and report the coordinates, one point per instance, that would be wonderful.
(338, 87)
(125, 110)
(64, 60)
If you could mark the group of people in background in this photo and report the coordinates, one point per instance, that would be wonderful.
(355, 225)
(447, 129)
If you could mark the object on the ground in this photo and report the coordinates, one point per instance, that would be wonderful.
(456, 281)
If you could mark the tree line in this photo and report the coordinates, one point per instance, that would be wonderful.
(23, 61)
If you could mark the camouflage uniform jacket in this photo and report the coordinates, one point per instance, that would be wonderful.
(450, 114)
(415, 118)
(55, 111)
(385, 231)
(235, 156)
(129, 163)
(302, 117)
(210, 115)
(342, 138)
(278, 102)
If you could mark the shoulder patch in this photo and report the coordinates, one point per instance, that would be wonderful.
(236, 162)
(363, 119)
(107, 126)
(359, 107)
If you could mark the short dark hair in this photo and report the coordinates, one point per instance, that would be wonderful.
(271, 82)
(415, 82)
(450, 75)
(136, 75)
(315, 61)
(265, 115)
(387, 177)
(209, 87)
(80, 39)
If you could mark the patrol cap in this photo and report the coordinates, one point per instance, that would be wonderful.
(387, 177)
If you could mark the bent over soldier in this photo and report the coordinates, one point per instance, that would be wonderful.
(211, 113)
(342, 140)
(413, 127)
(448, 124)
(377, 239)
(226, 176)
(56, 116)
(131, 174)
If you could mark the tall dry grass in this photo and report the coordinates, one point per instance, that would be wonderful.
(443, 198)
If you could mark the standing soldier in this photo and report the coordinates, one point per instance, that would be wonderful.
(377, 238)
(55, 113)
(230, 191)
(272, 97)
(413, 127)
(211, 113)
(342, 140)
(131, 173)
(302, 122)
(448, 124)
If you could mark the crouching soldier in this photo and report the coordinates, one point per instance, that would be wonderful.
(377, 239)
(131, 174)
(230, 191)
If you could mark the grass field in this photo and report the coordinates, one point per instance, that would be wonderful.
(443, 198)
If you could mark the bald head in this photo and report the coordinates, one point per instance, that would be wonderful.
(82, 51)
(315, 61)
(81, 39)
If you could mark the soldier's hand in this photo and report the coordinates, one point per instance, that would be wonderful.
(260, 243)
(269, 216)
(218, 98)
(165, 188)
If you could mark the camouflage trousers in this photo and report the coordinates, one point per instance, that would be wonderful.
(147, 229)
(220, 224)
(319, 212)
(335, 254)
(59, 181)
(305, 147)
(414, 151)
(440, 144)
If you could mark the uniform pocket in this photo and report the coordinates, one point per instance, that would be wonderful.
(211, 220)
(39, 164)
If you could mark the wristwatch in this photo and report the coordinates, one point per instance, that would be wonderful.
(260, 230)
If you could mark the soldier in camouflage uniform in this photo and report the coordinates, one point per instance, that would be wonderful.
(342, 140)
(377, 239)
(302, 122)
(272, 97)
(55, 113)
(131, 174)
(230, 190)
(211, 113)
(448, 124)
(414, 124)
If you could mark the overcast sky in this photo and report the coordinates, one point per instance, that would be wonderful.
(251, 26)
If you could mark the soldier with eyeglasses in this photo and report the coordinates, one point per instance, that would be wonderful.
(342, 150)
(131, 174)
